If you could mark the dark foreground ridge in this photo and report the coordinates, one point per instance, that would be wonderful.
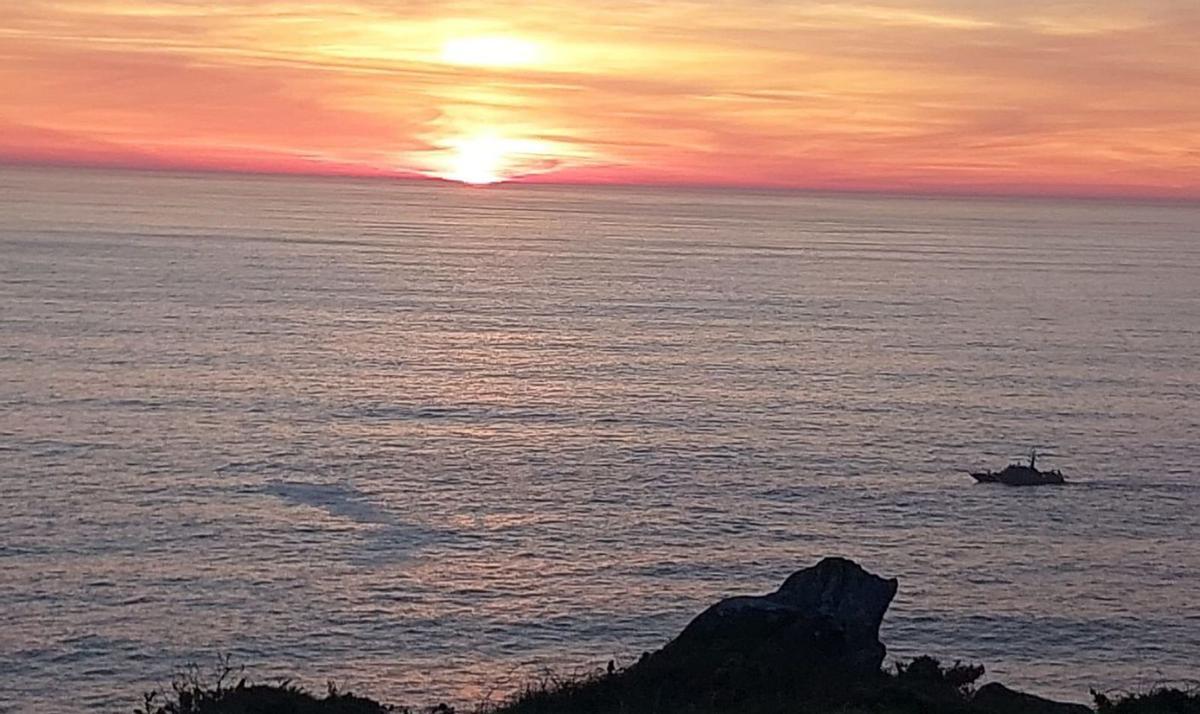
(811, 647)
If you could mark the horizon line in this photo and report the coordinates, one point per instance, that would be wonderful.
(359, 173)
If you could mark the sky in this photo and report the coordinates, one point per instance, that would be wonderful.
(1095, 97)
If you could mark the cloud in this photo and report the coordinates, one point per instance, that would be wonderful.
(888, 93)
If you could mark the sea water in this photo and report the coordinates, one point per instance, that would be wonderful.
(427, 439)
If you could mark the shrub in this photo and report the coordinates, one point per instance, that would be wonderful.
(1156, 701)
(193, 693)
(927, 673)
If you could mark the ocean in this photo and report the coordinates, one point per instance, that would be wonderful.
(429, 440)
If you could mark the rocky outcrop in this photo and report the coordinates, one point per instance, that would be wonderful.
(995, 698)
(811, 646)
(823, 617)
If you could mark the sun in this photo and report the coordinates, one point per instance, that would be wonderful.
(487, 158)
(479, 160)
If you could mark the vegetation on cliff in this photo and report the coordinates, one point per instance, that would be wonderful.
(922, 686)
(810, 647)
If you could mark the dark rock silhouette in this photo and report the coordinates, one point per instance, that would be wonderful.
(810, 646)
(996, 698)
(827, 616)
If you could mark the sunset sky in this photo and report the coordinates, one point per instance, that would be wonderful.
(1092, 97)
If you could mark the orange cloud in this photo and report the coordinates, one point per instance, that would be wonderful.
(989, 95)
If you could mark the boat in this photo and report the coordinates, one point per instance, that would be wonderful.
(1021, 475)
